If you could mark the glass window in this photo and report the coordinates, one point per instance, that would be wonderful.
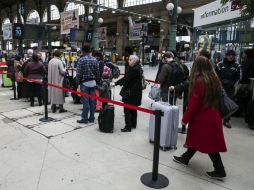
(15, 20)
(129, 3)
(72, 6)
(54, 14)
(252, 23)
(33, 17)
(108, 3)
(9, 45)
(90, 10)
(6, 21)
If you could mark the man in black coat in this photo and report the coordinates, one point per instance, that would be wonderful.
(229, 73)
(131, 92)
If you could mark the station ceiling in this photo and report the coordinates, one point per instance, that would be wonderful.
(7, 3)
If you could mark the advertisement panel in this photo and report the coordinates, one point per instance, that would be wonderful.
(102, 34)
(137, 31)
(7, 31)
(69, 19)
(216, 12)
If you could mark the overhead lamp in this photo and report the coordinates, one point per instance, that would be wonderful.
(100, 20)
(90, 18)
(170, 6)
(179, 10)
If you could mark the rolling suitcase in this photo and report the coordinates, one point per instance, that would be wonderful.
(169, 125)
(106, 118)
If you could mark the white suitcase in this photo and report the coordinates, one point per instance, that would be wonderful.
(169, 125)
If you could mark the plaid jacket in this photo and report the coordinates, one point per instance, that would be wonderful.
(87, 69)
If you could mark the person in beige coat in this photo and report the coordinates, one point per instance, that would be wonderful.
(56, 73)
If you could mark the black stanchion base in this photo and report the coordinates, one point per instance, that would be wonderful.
(46, 120)
(160, 183)
(180, 130)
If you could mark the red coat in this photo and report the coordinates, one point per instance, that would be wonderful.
(205, 131)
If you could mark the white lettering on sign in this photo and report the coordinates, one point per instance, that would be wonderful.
(215, 12)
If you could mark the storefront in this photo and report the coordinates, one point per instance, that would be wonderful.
(220, 27)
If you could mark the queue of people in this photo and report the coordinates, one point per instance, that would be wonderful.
(202, 91)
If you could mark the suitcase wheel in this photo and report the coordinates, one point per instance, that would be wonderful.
(151, 141)
(173, 147)
(164, 148)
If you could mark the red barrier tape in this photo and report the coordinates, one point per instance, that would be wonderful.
(90, 96)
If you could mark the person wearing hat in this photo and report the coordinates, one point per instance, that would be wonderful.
(229, 73)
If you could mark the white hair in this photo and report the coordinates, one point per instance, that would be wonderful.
(30, 52)
(134, 58)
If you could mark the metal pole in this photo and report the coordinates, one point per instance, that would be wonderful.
(20, 13)
(48, 26)
(14, 89)
(155, 180)
(95, 44)
(156, 144)
(173, 28)
(45, 97)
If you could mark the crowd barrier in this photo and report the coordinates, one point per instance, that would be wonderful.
(152, 179)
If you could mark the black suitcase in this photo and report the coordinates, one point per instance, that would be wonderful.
(106, 119)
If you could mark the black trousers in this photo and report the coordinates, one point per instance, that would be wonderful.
(35, 91)
(130, 118)
(20, 89)
(215, 157)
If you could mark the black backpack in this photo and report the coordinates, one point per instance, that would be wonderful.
(115, 70)
(177, 74)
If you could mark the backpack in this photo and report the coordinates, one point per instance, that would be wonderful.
(115, 70)
(177, 75)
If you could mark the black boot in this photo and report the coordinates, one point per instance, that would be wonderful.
(31, 102)
(40, 101)
(219, 171)
(216, 174)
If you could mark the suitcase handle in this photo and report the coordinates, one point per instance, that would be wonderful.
(174, 99)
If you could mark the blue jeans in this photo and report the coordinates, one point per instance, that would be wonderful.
(88, 103)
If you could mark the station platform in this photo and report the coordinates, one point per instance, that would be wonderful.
(65, 155)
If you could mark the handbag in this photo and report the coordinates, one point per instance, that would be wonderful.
(66, 84)
(125, 92)
(154, 93)
(227, 106)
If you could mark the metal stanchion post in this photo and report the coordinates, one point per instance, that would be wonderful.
(45, 92)
(155, 180)
(14, 90)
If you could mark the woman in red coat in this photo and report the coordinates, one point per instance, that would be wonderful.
(205, 132)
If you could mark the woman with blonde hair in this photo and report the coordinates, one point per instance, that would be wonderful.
(205, 132)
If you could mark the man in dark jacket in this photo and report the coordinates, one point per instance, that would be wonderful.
(171, 74)
(131, 92)
(229, 73)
